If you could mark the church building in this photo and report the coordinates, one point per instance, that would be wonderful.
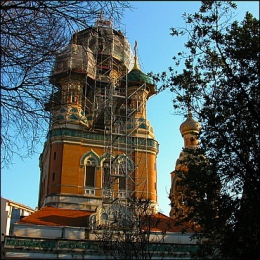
(190, 130)
(98, 164)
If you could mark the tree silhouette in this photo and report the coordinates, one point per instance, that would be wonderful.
(221, 79)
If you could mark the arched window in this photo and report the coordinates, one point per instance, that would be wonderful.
(90, 176)
(105, 174)
(122, 168)
(122, 172)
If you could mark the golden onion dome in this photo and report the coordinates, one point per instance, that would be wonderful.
(190, 125)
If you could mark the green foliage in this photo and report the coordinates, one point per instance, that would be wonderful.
(220, 82)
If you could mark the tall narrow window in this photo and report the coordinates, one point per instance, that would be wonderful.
(106, 171)
(122, 172)
(90, 176)
(90, 172)
(122, 183)
(73, 98)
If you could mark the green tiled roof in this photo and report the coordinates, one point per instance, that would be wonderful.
(136, 75)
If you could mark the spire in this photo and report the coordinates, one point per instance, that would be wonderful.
(136, 66)
(137, 78)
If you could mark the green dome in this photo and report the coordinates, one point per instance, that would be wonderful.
(137, 76)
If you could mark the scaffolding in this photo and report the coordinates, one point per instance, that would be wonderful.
(102, 57)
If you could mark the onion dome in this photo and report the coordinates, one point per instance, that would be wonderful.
(137, 78)
(190, 125)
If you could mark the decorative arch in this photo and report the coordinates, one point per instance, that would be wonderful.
(123, 157)
(99, 217)
(90, 154)
(103, 157)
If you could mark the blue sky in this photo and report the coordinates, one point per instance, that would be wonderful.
(149, 24)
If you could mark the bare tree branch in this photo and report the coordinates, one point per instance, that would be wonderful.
(32, 32)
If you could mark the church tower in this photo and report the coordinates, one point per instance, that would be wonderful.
(100, 146)
(190, 130)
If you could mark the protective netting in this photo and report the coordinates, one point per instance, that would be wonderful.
(83, 54)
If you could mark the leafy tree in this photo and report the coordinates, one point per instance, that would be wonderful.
(204, 208)
(220, 82)
(31, 33)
